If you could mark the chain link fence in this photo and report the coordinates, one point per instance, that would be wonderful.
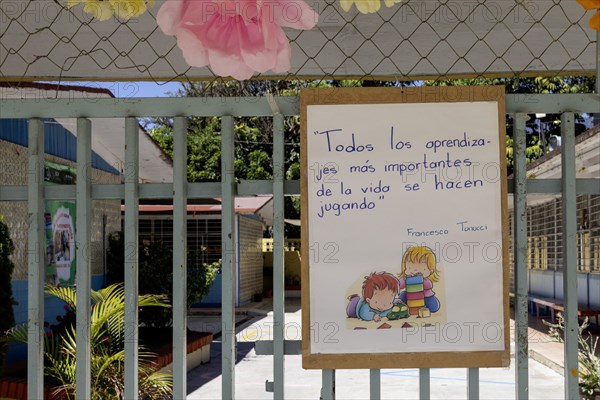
(416, 39)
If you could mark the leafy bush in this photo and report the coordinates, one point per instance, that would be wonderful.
(589, 361)
(156, 275)
(64, 322)
(7, 317)
(107, 331)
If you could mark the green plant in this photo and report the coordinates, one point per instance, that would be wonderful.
(107, 314)
(64, 322)
(7, 317)
(200, 277)
(589, 360)
(156, 275)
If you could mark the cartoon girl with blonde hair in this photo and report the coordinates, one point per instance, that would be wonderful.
(419, 261)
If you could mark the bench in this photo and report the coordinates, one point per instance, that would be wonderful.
(556, 305)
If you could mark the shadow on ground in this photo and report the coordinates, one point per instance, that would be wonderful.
(205, 373)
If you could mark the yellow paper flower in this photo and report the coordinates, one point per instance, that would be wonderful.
(101, 10)
(592, 5)
(366, 6)
(125, 9)
(105, 9)
(389, 3)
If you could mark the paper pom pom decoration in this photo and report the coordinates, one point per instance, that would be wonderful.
(366, 6)
(237, 38)
(592, 5)
(105, 9)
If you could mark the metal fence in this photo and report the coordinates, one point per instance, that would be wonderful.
(430, 40)
(131, 192)
(415, 39)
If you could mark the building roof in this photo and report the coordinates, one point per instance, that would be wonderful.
(587, 163)
(108, 138)
(58, 141)
(243, 205)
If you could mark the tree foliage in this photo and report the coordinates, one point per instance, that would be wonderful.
(107, 333)
(540, 127)
(156, 275)
(254, 136)
(7, 317)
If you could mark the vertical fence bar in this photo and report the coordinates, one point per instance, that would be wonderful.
(424, 383)
(520, 259)
(473, 383)
(180, 258)
(375, 383)
(35, 261)
(228, 256)
(328, 384)
(596, 116)
(569, 212)
(278, 259)
(598, 63)
(131, 257)
(83, 257)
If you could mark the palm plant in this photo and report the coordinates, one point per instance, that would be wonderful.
(587, 355)
(107, 348)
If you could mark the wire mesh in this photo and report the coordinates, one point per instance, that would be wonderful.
(415, 39)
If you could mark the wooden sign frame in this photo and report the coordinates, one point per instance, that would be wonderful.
(441, 359)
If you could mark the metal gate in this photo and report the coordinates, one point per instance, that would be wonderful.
(436, 39)
(131, 192)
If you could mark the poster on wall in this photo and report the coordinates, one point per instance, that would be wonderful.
(404, 228)
(59, 220)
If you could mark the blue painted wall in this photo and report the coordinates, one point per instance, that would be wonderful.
(550, 284)
(541, 283)
(594, 290)
(58, 140)
(53, 308)
(213, 298)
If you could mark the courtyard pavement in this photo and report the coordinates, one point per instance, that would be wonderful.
(252, 371)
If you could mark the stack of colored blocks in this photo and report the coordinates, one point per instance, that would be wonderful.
(415, 297)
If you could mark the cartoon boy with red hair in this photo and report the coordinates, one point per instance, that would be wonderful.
(379, 292)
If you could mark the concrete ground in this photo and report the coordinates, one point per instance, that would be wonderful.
(252, 371)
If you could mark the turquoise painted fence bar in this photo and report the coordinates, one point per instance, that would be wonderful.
(520, 259)
(180, 258)
(375, 383)
(132, 201)
(248, 106)
(569, 243)
(228, 245)
(244, 188)
(424, 383)
(473, 383)
(83, 256)
(35, 263)
(131, 191)
(278, 258)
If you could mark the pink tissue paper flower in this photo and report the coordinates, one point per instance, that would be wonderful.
(236, 37)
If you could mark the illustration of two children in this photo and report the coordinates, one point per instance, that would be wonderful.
(382, 291)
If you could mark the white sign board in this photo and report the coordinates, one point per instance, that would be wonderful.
(403, 218)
